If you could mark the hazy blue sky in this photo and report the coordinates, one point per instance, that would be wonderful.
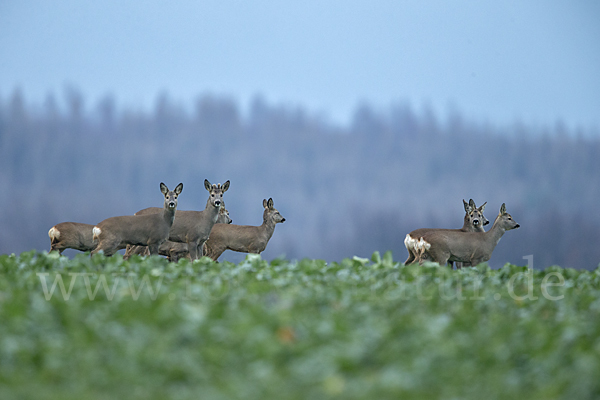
(497, 61)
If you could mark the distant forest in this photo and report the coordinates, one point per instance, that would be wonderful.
(344, 190)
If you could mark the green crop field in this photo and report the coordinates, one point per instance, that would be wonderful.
(105, 328)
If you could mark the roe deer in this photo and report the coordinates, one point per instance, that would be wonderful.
(175, 250)
(473, 222)
(442, 246)
(149, 230)
(71, 235)
(193, 227)
(243, 238)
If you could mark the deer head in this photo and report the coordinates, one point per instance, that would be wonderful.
(171, 196)
(216, 192)
(224, 217)
(474, 215)
(504, 220)
(271, 214)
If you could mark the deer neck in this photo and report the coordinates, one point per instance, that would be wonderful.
(495, 233)
(212, 212)
(268, 227)
(466, 225)
(169, 215)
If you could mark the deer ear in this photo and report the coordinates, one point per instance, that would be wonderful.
(503, 209)
(207, 185)
(163, 188)
(265, 203)
(270, 203)
(467, 206)
(178, 189)
(482, 207)
(225, 187)
(472, 204)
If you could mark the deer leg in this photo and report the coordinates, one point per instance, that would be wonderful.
(129, 251)
(153, 248)
(422, 257)
(201, 247)
(410, 259)
(204, 250)
(109, 246)
(193, 250)
(140, 250)
(55, 247)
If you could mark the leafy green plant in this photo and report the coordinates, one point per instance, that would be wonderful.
(96, 327)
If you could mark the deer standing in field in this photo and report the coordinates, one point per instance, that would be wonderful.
(71, 235)
(175, 250)
(474, 221)
(149, 230)
(194, 227)
(243, 238)
(442, 246)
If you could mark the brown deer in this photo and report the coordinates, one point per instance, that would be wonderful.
(442, 246)
(149, 230)
(243, 238)
(71, 235)
(175, 250)
(474, 221)
(193, 227)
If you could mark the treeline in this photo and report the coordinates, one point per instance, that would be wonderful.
(344, 190)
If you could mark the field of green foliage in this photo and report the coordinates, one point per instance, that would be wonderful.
(104, 328)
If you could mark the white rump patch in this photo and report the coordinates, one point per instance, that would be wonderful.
(424, 244)
(421, 246)
(96, 232)
(409, 242)
(417, 245)
(54, 234)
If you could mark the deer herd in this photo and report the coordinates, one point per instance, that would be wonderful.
(170, 232)
(469, 245)
(176, 233)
